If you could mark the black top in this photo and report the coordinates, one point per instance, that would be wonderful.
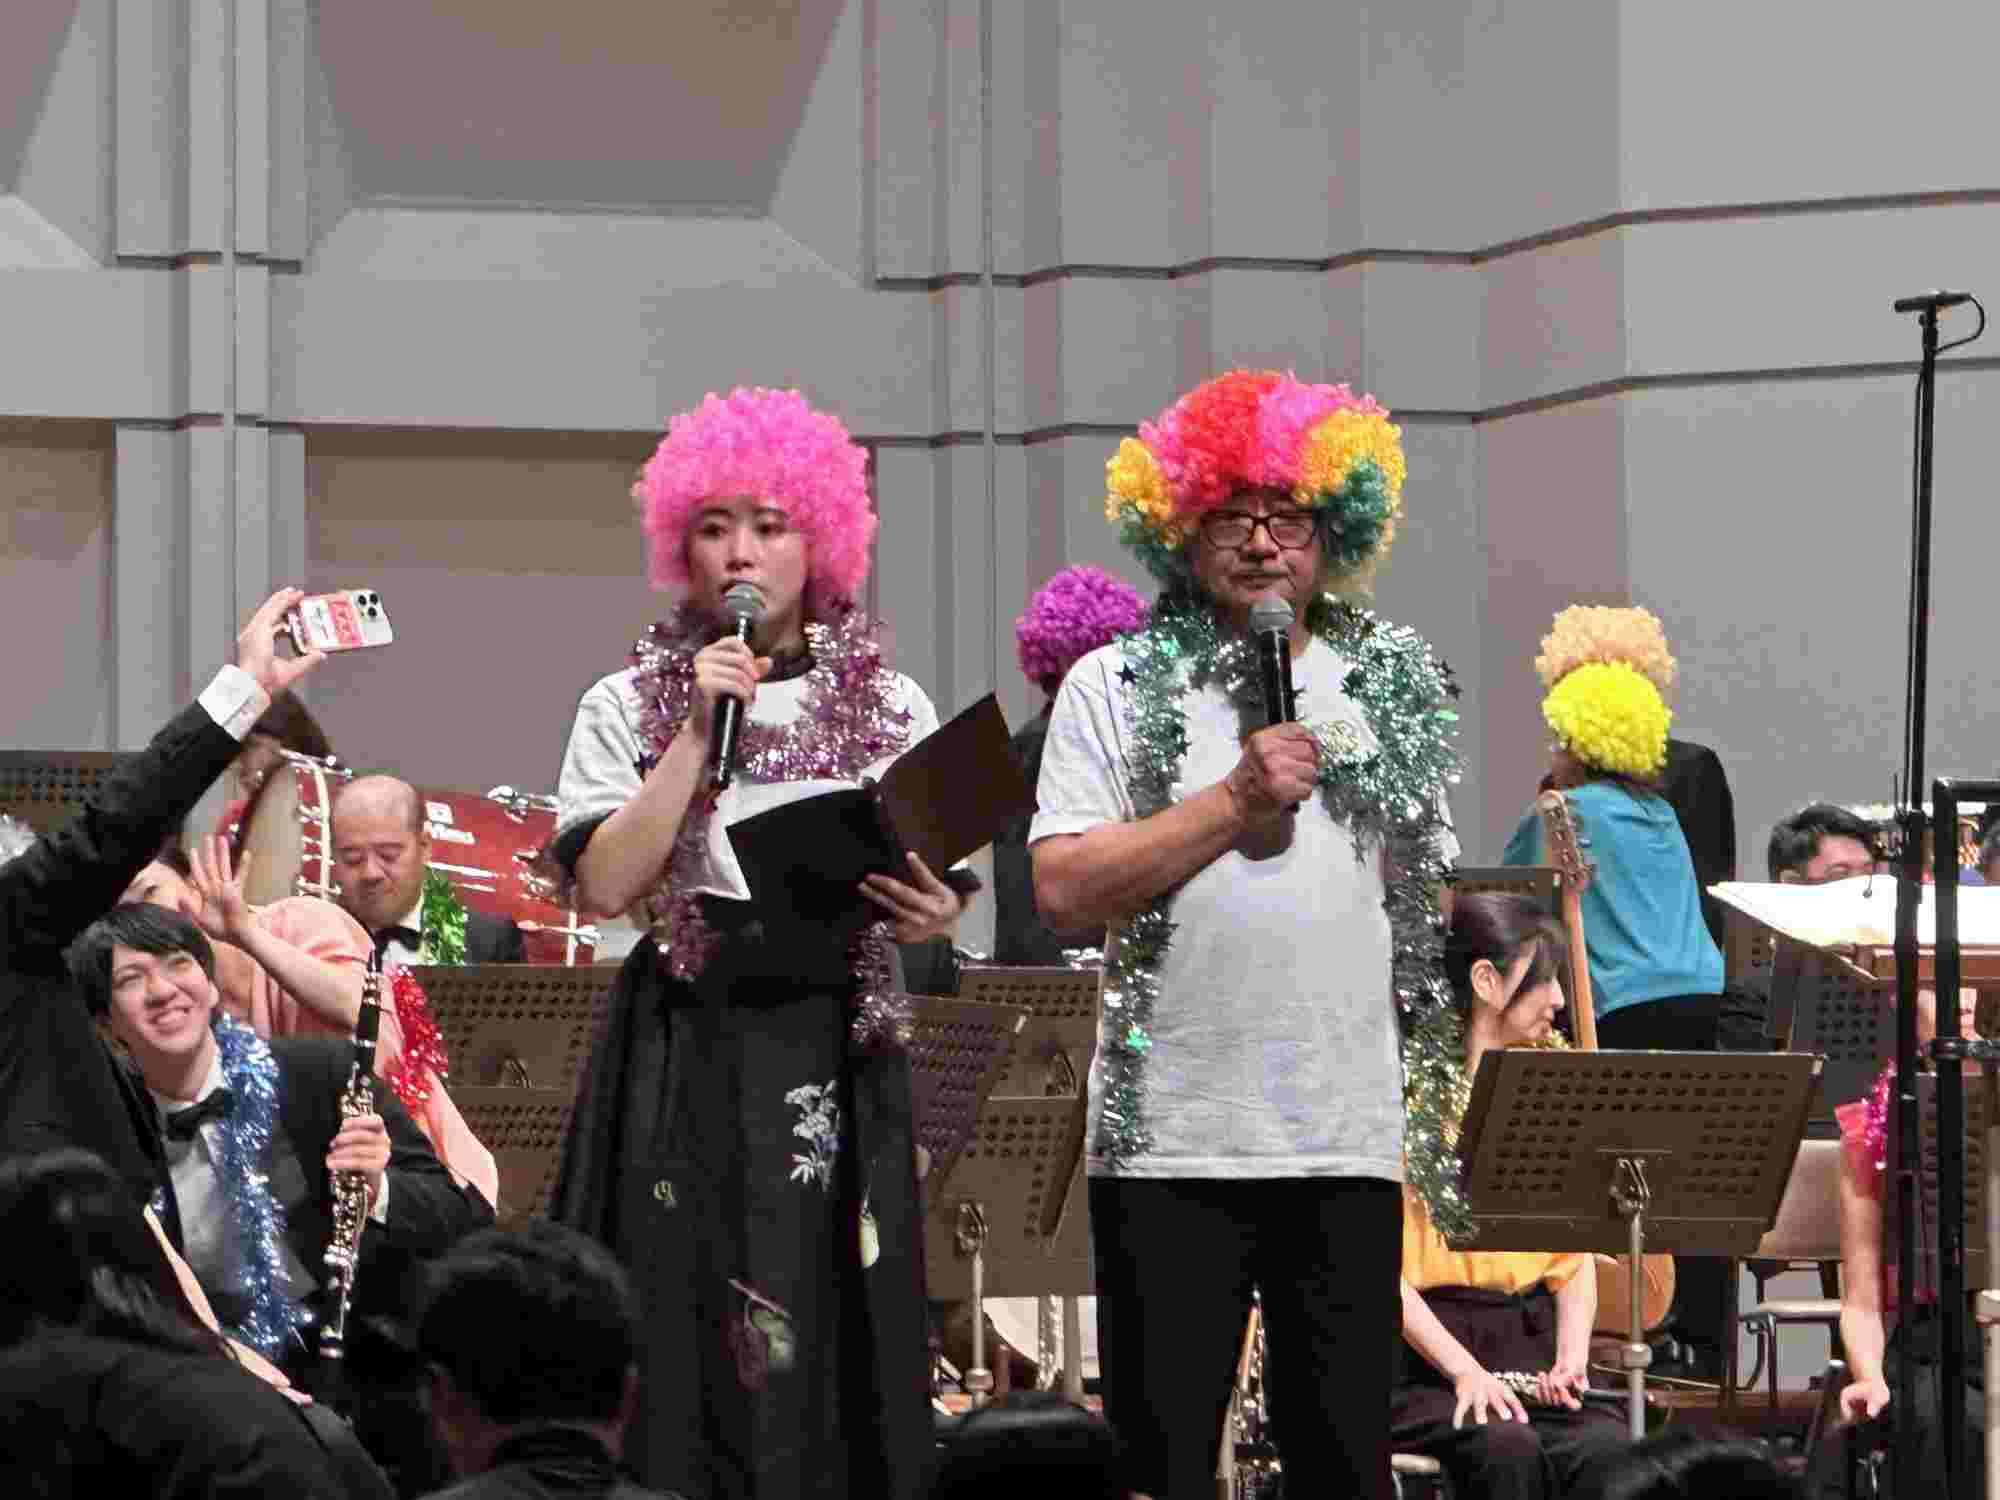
(88, 1416)
(1696, 787)
(1019, 934)
(551, 1463)
(58, 1083)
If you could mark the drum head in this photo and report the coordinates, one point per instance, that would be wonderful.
(285, 832)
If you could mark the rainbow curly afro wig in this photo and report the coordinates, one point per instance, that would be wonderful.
(773, 445)
(1071, 615)
(1607, 672)
(1333, 452)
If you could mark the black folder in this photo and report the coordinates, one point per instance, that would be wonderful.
(949, 795)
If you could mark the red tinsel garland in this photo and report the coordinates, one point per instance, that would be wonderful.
(423, 1056)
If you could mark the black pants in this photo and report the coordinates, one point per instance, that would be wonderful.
(1551, 1454)
(1177, 1260)
(1681, 1023)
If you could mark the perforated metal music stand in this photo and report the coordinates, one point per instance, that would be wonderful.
(45, 788)
(1978, 1112)
(1606, 1151)
(959, 1051)
(1819, 1004)
(1052, 1055)
(1012, 1221)
(518, 1038)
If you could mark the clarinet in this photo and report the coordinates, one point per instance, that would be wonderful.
(350, 1189)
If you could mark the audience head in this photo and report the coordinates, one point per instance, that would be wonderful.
(381, 846)
(1504, 959)
(1687, 1466)
(148, 973)
(168, 881)
(1031, 1442)
(80, 1256)
(527, 1328)
(1822, 842)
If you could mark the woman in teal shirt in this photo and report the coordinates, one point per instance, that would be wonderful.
(1655, 972)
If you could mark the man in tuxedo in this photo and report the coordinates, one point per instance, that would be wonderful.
(149, 973)
(382, 846)
(59, 1085)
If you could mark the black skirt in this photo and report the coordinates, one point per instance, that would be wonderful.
(756, 1174)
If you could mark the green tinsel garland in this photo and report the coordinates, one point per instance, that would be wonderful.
(443, 920)
(1390, 798)
(1436, 1089)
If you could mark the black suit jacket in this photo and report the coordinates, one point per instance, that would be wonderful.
(428, 1211)
(1698, 790)
(492, 940)
(58, 1083)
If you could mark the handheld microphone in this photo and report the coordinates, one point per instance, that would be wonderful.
(1931, 301)
(1271, 624)
(741, 607)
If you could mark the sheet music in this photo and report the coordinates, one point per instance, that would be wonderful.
(1859, 912)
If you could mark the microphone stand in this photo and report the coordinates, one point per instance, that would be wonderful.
(1911, 821)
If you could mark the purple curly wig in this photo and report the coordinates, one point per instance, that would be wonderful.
(1074, 613)
(773, 445)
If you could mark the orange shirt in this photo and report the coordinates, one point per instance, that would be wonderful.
(1429, 1262)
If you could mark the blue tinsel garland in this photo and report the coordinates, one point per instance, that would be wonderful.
(257, 1220)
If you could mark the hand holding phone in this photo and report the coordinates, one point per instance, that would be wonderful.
(350, 620)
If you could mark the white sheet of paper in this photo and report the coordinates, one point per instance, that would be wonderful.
(1859, 912)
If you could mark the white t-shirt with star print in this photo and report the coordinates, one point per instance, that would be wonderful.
(1274, 1041)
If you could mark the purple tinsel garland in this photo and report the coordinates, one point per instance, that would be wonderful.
(847, 722)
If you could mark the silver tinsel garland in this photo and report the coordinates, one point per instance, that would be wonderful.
(1392, 799)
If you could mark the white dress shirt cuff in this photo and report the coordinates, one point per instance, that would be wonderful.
(234, 701)
(378, 1211)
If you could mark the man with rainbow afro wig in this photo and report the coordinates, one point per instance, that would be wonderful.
(1268, 894)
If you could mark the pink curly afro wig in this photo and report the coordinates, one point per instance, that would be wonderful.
(1071, 615)
(773, 445)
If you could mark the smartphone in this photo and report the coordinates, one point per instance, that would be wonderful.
(346, 621)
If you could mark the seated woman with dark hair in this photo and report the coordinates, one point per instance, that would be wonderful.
(1477, 1315)
(106, 1389)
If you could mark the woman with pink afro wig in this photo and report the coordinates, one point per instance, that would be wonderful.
(775, 447)
(746, 1144)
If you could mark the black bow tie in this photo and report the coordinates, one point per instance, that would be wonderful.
(183, 1124)
(409, 937)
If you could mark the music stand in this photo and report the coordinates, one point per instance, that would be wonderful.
(45, 788)
(1821, 1005)
(1012, 1221)
(518, 1039)
(1052, 1056)
(959, 1051)
(1598, 1151)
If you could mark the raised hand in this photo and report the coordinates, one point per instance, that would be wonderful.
(225, 912)
(257, 645)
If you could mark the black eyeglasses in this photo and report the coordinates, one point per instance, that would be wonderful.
(1234, 528)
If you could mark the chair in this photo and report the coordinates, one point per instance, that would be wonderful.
(1418, 1477)
(1807, 1234)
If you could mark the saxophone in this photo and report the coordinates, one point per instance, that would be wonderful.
(350, 1189)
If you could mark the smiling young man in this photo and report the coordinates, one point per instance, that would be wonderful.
(252, 1134)
(1270, 897)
